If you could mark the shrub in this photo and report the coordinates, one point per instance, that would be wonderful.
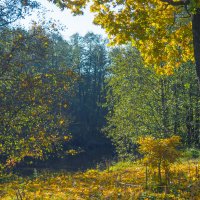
(160, 153)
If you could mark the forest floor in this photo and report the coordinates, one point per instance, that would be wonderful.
(124, 180)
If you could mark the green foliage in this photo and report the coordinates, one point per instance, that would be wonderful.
(89, 59)
(46, 85)
(139, 102)
(128, 98)
(34, 97)
(191, 153)
(122, 165)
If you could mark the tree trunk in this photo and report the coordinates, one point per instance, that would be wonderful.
(196, 42)
(197, 122)
(176, 115)
(164, 108)
(159, 174)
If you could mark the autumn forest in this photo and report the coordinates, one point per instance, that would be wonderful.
(101, 118)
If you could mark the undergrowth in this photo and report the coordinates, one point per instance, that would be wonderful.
(125, 181)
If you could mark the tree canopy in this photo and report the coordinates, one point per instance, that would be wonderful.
(12, 10)
(169, 28)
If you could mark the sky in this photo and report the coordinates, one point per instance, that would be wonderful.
(72, 24)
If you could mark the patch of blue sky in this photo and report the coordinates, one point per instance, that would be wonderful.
(71, 24)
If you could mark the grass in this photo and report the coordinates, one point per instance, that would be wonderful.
(124, 180)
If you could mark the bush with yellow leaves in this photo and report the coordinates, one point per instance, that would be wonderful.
(160, 154)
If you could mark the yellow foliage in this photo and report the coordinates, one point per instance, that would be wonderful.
(160, 154)
(160, 30)
(122, 183)
(61, 121)
(72, 152)
(159, 150)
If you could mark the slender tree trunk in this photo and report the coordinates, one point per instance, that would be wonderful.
(196, 42)
(159, 173)
(197, 122)
(176, 115)
(190, 120)
(164, 107)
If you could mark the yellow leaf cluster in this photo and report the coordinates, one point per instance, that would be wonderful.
(161, 32)
(163, 151)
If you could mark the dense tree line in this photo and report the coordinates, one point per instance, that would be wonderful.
(89, 61)
(51, 89)
(140, 102)
(33, 96)
(57, 94)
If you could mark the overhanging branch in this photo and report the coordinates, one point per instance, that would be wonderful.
(176, 3)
